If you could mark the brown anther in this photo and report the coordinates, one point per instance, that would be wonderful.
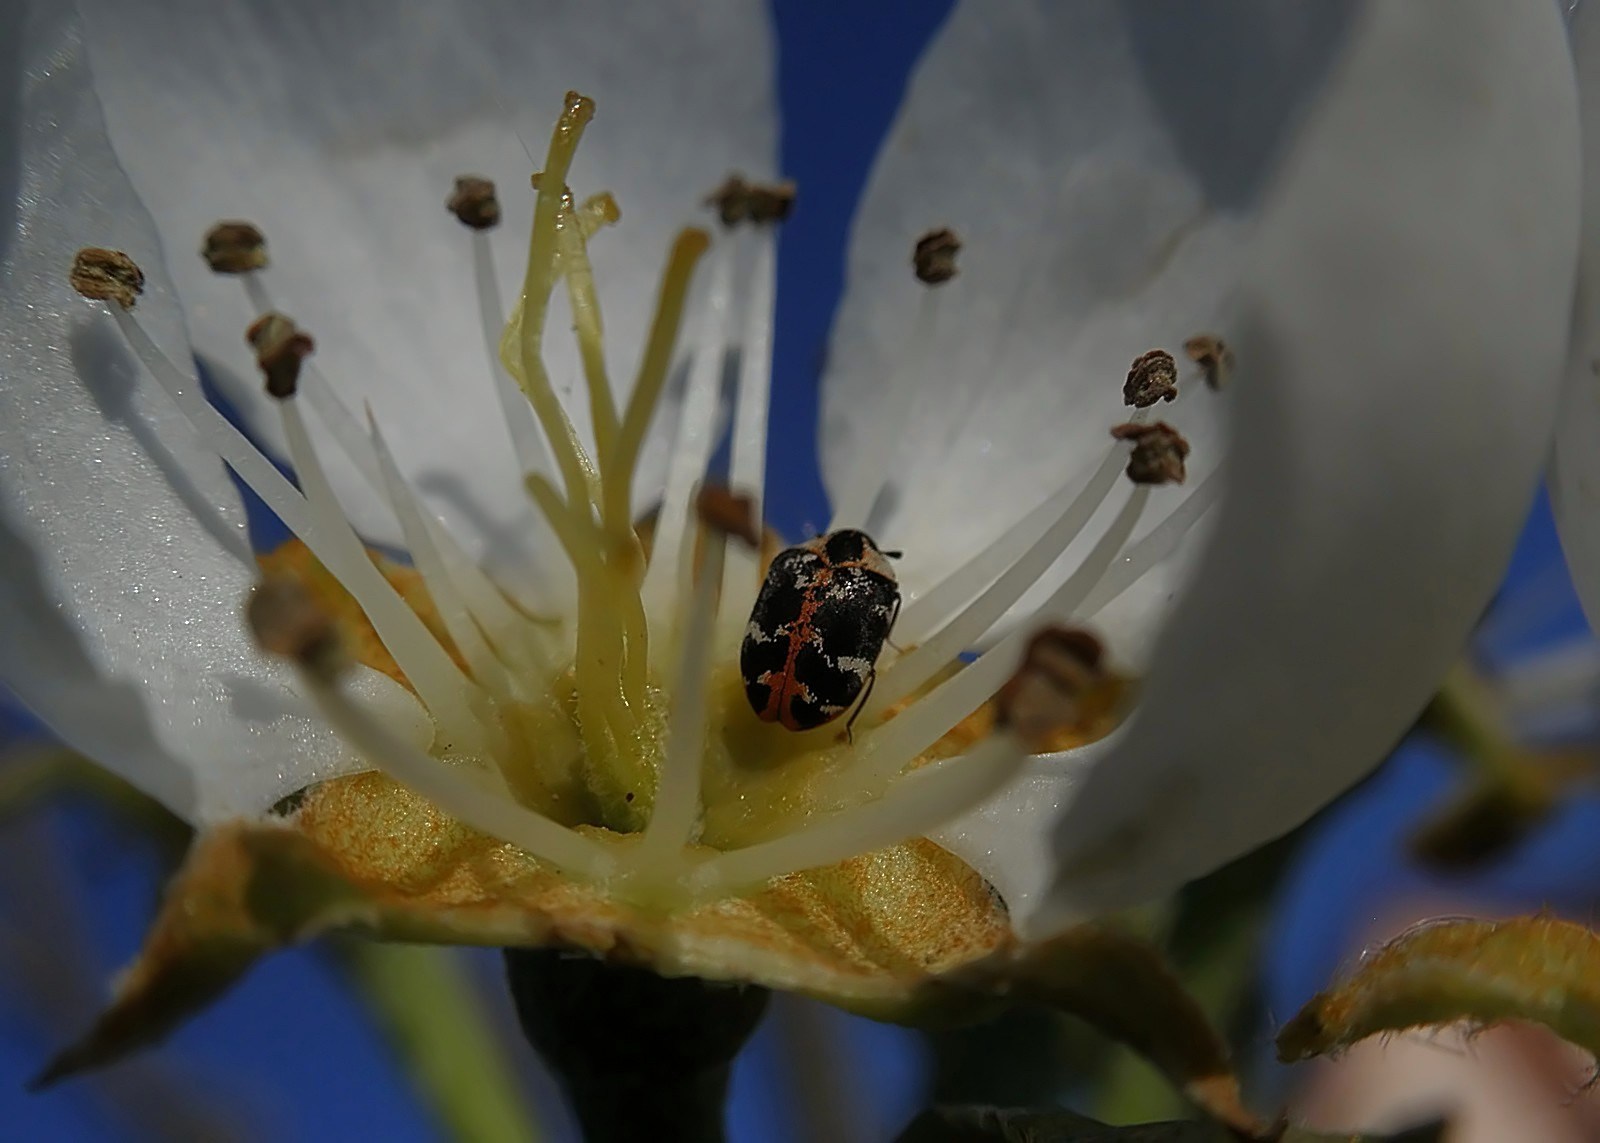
(474, 203)
(732, 513)
(935, 256)
(280, 348)
(287, 621)
(106, 276)
(598, 210)
(1158, 452)
(234, 247)
(739, 201)
(1152, 377)
(1060, 668)
(1213, 356)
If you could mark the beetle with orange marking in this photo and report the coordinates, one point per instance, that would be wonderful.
(817, 628)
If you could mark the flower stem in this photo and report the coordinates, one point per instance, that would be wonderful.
(1464, 715)
(425, 1003)
(641, 1056)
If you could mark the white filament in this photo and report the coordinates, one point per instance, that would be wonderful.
(315, 388)
(891, 748)
(462, 798)
(451, 698)
(677, 805)
(747, 461)
(533, 455)
(504, 628)
(452, 609)
(916, 804)
(1155, 547)
(691, 450)
(912, 670)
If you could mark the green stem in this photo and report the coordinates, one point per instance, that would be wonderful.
(432, 1016)
(642, 1057)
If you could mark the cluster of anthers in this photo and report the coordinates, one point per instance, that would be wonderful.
(712, 715)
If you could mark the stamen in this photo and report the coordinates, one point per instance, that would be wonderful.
(505, 629)
(532, 453)
(1155, 547)
(919, 615)
(315, 387)
(747, 462)
(509, 632)
(280, 348)
(446, 786)
(597, 211)
(889, 749)
(928, 658)
(450, 697)
(1214, 358)
(738, 201)
(106, 275)
(287, 621)
(934, 262)
(452, 610)
(691, 450)
(1059, 668)
(1152, 377)
(1158, 452)
(934, 258)
(234, 247)
(677, 801)
(474, 203)
(420, 657)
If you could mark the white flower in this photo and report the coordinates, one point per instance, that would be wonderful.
(1575, 467)
(1395, 290)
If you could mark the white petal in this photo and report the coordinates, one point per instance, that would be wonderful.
(1010, 839)
(1402, 326)
(122, 544)
(1575, 470)
(1098, 160)
(339, 127)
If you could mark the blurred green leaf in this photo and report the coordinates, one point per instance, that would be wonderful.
(1485, 821)
(1213, 940)
(1123, 987)
(1540, 969)
(1512, 791)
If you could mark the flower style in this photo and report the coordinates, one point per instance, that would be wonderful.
(1379, 237)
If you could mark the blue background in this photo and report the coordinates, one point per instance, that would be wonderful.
(291, 1053)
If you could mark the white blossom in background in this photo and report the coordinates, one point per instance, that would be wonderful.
(1574, 477)
(1377, 213)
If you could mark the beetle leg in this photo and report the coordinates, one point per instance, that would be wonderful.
(861, 705)
(898, 650)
